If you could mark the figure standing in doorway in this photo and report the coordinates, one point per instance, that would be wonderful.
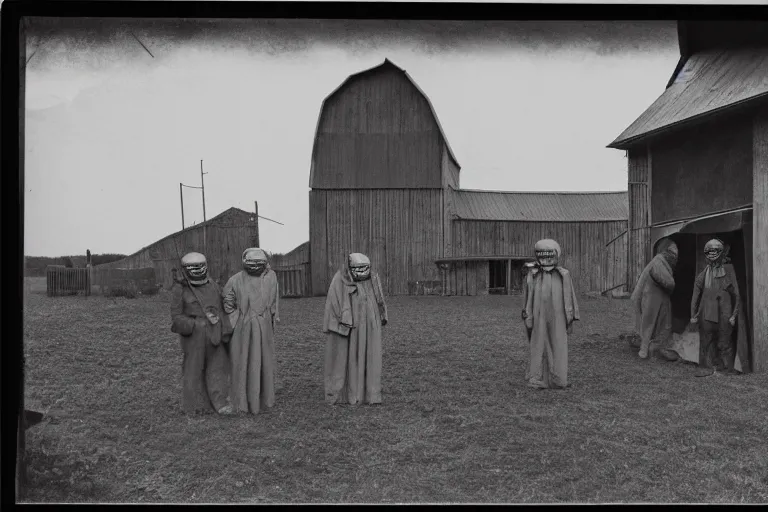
(550, 310)
(196, 315)
(653, 301)
(251, 298)
(715, 308)
(355, 312)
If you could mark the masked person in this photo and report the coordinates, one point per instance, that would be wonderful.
(251, 298)
(715, 307)
(355, 312)
(196, 315)
(550, 310)
(652, 297)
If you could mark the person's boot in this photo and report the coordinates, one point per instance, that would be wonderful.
(704, 371)
(668, 355)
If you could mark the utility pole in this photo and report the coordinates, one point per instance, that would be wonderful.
(181, 196)
(202, 186)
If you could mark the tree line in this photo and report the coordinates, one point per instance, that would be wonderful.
(34, 266)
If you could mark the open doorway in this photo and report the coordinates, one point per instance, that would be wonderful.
(691, 262)
(497, 277)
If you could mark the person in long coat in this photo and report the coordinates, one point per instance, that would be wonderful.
(251, 299)
(197, 317)
(550, 310)
(355, 312)
(652, 298)
(716, 309)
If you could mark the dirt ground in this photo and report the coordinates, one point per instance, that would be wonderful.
(457, 424)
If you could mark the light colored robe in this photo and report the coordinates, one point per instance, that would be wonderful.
(252, 303)
(550, 308)
(353, 316)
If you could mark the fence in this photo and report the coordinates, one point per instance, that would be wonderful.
(67, 281)
(293, 281)
(125, 280)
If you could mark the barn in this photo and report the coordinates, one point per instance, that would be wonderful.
(222, 239)
(698, 167)
(493, 234)
(384, 181)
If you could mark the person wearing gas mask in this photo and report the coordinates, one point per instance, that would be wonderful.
(550, 310)
(197, 316)
(251, 299)
(652, 298)
(715, 308)
(355, 312)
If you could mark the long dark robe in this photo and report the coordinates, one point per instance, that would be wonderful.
(550, 308)
(652, 297)
(353, 357)
(252, 301)
(716, 304)
(205, 364)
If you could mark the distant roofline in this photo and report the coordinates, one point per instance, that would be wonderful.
(188, 228)
(547, 192)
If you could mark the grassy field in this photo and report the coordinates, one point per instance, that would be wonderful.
(458, 423)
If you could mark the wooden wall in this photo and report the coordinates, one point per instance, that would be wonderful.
(399, 230)
(760, 242)
(226, 237)
(466, 278)
(583, 246)
(639, 234)
(293, 272)
(450, 170)
(703, 169)
(377, 131)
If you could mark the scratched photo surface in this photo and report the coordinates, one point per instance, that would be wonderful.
(441, 151)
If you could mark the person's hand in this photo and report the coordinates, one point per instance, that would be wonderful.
(383, 322)
(694, 320)
(529, 322)
(732, 321)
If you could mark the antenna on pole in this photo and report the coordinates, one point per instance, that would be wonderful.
(202, 183)
(181, 196)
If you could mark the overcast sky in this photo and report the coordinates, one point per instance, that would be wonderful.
(111, 130)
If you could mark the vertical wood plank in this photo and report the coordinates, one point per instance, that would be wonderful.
(760, 242)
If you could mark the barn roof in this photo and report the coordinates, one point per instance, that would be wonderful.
(708, 83)
(541, 206)
(190, 228)
(386, 63)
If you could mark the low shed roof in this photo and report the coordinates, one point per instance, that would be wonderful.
(541, 206)
(708, 83)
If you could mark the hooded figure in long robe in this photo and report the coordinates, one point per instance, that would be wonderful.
(251, 299)
(197, 317)
(652, 298)
(716, 308)
(355, 312)
(550, 310)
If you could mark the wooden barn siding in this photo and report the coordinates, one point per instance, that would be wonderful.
(703, 169)
(467, 278)
(759, 241)
(225, 244)
(583, 245)
(638, 237)
(298, 256)
(450, 170)
(377, 132)
(399, 230)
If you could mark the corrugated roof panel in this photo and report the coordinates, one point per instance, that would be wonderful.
(541, 206)
(708, 82)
